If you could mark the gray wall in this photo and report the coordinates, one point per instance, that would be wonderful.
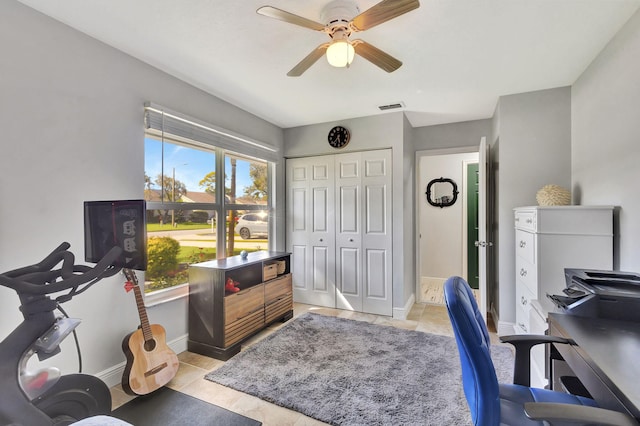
(606, 139)
(455, 135)
(534, 131)
(71, 113)
(374, 132)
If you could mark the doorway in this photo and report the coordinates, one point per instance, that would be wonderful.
(446, 235)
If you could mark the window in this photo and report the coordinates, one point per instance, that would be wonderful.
(188, 219)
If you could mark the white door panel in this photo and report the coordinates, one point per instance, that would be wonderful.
(298, 202)
(349, 276)
(348, 211)
(299, 266)
(320, 210)
(376, 261)
(376, 202)
(321, 271)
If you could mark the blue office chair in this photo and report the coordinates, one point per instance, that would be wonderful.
(515, 404)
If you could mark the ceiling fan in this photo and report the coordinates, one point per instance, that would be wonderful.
(342, 18)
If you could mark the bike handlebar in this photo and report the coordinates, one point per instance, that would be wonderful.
(41, 278)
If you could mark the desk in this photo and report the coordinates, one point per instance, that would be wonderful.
(605, 358)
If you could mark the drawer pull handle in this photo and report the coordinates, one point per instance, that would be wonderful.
(250, 313)
(523, 244)
(523, 327)
(274, 301)
(529, 220)
(523, 272)
(321, 240)
(523, 301)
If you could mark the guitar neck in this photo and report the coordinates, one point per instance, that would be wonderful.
(142, 311)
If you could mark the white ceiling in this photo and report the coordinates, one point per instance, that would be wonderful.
(459, 55)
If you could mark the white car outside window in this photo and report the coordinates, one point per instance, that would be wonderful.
(252, 225)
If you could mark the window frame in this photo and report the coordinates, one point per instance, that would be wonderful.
(221, 207)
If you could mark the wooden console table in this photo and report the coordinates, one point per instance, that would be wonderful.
(220, 320)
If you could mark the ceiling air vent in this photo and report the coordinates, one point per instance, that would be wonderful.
(391, 106)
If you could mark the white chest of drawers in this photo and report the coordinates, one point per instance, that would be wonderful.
(548, 240)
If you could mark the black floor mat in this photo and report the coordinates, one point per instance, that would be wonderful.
(168, 407)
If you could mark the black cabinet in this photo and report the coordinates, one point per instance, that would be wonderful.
(219, 319)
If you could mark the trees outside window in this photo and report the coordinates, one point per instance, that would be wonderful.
(183, 209)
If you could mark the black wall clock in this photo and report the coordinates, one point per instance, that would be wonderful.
(339, 137)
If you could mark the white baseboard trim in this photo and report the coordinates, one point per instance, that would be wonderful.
(113, 376)
(403, 313)
(494, 316)
(503, 328)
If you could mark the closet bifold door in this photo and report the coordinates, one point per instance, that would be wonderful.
(339, 230)
(377, 238)
(349, 220)
(311, 229)
(363, 232)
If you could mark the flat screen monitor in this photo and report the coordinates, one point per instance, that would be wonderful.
(116, 223)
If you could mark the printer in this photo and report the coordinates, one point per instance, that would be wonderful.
(600, 294)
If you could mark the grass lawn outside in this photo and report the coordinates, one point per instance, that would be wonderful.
(154, 227)
(190, 254)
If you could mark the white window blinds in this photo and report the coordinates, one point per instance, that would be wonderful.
(166, 121)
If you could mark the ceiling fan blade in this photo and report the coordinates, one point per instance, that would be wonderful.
(282, 15)
(311, 59)
(376, 56)
(382, 12)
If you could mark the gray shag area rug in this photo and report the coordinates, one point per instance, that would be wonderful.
(347, 372)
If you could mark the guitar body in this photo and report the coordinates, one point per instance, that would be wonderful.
(151, 364)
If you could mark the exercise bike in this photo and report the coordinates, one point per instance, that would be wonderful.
(45, 397)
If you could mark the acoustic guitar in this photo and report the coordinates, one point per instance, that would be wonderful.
(151, 364)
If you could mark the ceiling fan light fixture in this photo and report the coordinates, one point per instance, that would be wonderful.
(338, 25)
(340, 53)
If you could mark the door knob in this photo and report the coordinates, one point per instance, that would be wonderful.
(483, 244)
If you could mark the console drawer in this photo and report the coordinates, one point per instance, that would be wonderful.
(278, 298)
(238, 306)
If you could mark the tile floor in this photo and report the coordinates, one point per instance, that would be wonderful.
(431, 291)
(190, 378)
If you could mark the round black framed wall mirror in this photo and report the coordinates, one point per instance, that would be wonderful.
(442, 192)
